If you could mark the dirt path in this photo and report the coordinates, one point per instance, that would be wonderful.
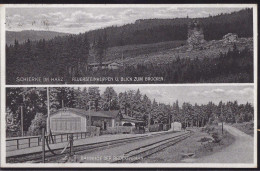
(241, 151)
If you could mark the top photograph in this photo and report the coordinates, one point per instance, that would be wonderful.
(129, 44)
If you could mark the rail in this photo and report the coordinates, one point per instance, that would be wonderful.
(35, 141)
(79, 149)
(147, 150)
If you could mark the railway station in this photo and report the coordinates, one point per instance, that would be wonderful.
(67, 120)
(30, 149)
(70, 131)
(73, 131)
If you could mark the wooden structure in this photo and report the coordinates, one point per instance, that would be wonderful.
(67, 120)
(17, 143)
(105, 65)
(124, 120)
(77, 120)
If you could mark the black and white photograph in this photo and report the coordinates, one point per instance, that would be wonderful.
(129, 85)
(130, 124)
(141, 44)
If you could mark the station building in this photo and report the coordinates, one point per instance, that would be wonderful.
(77, 120)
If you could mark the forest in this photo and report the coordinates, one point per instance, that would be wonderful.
(61, 56)
(33, 103)
(145, 31)
(234, 66)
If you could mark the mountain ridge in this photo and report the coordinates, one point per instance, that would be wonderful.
(33, 35)
(146, 31)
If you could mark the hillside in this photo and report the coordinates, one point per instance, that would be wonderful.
(216, 62)
(166, 52)
(128, 52)
(158, 56)
(151, 41)
(22, 36)
(146, 31)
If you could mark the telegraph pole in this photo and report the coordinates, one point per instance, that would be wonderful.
(89, 117)
(48, 111)
(22, 117)
(222, 118)
(22, 120)
(149, 119)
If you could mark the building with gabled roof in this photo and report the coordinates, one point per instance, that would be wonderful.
(105, 65)
(77, 120)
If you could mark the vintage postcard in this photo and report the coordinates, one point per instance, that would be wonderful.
(124, 44)
(129, 85)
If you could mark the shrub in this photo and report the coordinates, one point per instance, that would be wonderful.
(204, 139)
(216, 137)
(209, 129)
(166, 127)
(93, 130)
(37, 124)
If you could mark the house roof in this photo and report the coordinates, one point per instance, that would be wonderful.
(105, 114)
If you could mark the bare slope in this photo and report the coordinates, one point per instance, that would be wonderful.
(165, 55)
(134, 51)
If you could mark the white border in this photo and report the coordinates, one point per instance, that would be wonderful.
(2, 72)
(130, 5)
(139, 165)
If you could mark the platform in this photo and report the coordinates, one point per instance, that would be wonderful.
(87, 141)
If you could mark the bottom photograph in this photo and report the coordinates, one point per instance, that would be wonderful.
(130, 124)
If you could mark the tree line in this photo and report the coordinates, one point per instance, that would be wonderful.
(233, 66)
(33, 103)
(70, 55)
(158, 30)
(230, 67)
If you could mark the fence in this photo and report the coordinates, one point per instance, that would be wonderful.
(35, 141)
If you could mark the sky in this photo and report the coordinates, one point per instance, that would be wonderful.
(80, 20)
(193, 94)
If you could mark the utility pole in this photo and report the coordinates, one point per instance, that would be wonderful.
(48, 111)
(169, 117)
(22, 120)
(149, 119)
(22, 117)
(43, 145)
(222, 118)
(89, 117)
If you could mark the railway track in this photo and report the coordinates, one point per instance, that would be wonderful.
(144, 151)
(36, 157)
